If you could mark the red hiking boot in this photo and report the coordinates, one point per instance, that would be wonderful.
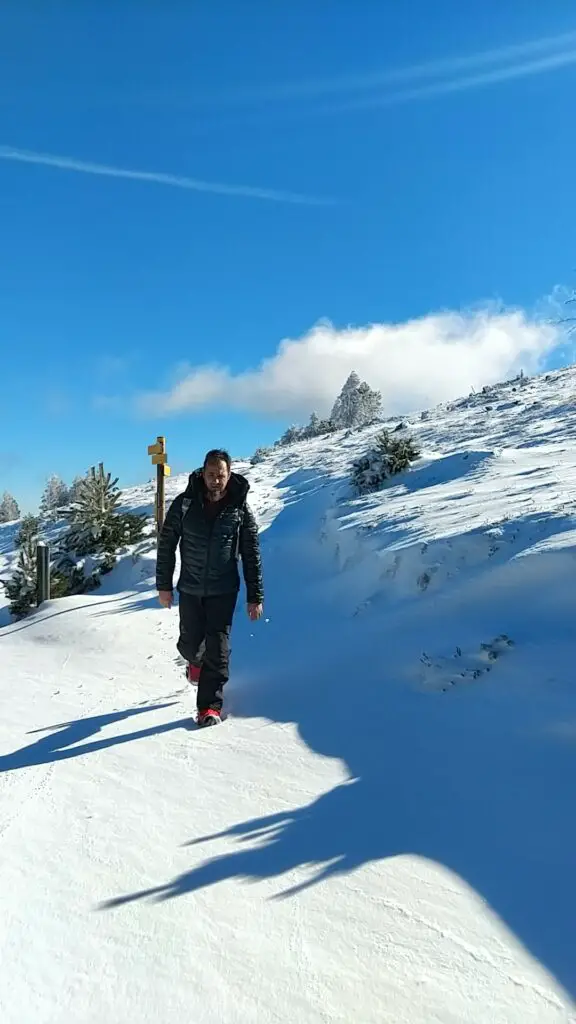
(208, 717)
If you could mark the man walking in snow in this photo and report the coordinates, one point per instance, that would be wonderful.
(214, 526)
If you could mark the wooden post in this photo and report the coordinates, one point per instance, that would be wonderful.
(42, 573)
(160, 460)
(160, 487)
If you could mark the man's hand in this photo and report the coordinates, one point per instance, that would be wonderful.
(166, 598)
(255, 611)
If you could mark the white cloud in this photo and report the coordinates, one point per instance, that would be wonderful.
(414, 364)
(516, 60)
(66, 163)
(523, 69)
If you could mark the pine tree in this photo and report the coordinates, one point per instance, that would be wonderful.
(97, 500)
(370, 404)
(96, 523)
(260, 455)
(29, 530)
(344, 407)
(21, 588)
(9, 510)
(290, 436)
(66, 577)
(77, 484)
(324, 427)
(391, 455)
(56, 495)
(356, 405)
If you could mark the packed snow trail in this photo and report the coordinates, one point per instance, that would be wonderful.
(383, 830)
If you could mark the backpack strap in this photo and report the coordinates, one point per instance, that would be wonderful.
(186, 502)
(240, 525)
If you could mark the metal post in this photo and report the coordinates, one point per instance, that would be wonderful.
(42, 573)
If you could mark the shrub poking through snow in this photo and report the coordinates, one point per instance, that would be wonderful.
(259, 456)
(314, 428)
(390, 456)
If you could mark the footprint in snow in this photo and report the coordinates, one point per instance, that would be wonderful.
(440, 674)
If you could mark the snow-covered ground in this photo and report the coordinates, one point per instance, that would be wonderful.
(384, 828)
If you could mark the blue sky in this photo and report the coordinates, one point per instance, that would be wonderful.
(380, 163)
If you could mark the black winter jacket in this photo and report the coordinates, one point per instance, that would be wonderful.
(211, 545)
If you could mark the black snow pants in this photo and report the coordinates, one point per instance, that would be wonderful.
(208, 621)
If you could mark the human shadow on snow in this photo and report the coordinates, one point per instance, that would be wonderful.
(62, 744)
(469, 779)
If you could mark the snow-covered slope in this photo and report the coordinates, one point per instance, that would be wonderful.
(384, 828)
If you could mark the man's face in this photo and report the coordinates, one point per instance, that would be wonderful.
(216, 477)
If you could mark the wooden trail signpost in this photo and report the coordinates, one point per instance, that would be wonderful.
(160, 460)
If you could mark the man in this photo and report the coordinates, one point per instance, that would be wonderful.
(215, 527)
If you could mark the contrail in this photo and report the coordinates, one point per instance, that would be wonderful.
(504, 74)
(176, 181)
(506, 55)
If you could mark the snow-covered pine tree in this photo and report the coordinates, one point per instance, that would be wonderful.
(96, 523)
(9, 510)
(290, 436)
(324, 427)
(370, 404)
(97, 499)
(260, 455)
(344, 408)
(21, 587)
(356, 405)
(29, 530)
(77, 484)
(391, 455)
(313, 423)
(56, 495)
(314, 428)
(67, 577)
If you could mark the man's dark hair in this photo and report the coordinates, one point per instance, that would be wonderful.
(218, 455)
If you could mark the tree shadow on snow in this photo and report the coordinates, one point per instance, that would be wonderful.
(469, 779)
(62, 744)
(37, 617)
(127, 601)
